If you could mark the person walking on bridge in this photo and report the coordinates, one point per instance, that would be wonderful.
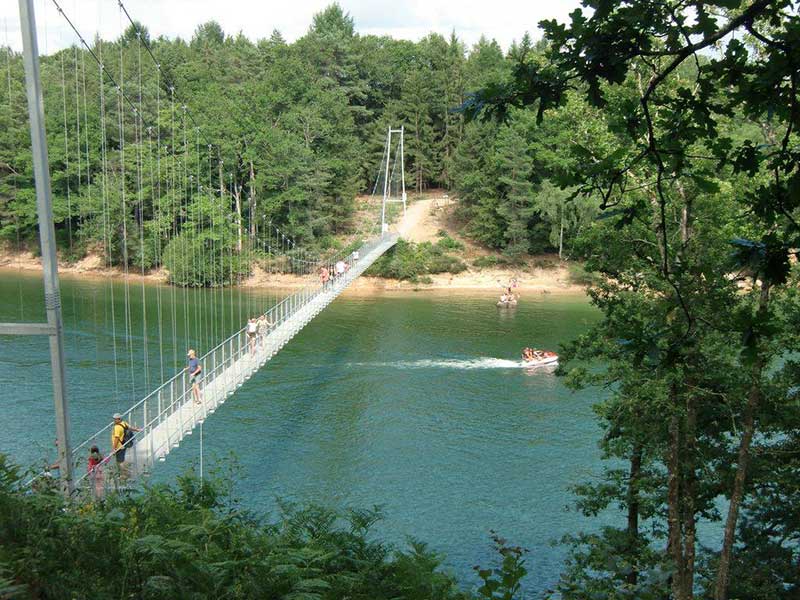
(264, 326)
(121, 440)
(194, 369)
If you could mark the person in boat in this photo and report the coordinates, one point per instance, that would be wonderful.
(527, 354)
(503, 298)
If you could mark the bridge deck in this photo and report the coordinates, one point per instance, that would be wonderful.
(170, 413)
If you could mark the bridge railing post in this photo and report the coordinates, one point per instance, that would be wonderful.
(179, 406)
(230, 360)
(216, 376)
(151, 449)
(238, 359)
(130, 454)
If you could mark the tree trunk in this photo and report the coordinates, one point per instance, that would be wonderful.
(689, 494)
(633, 508)
(674, 546)
(253, 220)
(737, 494)
(238, 196)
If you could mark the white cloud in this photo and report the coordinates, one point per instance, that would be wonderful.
(503, 20)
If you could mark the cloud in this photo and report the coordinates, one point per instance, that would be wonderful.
(503, 20)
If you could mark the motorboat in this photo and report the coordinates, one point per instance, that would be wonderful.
(541, 362)
(540, 358)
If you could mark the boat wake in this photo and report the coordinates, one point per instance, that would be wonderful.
(453, 363)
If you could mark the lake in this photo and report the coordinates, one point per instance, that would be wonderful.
(413, 402)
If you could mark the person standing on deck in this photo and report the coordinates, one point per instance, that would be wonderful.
(340, 268)
(324, 275)
(121, 440)
(263, 326)
(252, 330)
(95, 469)
(194, 369)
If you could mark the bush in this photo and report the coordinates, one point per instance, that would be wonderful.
(409, 261)
(545, 263)
(193, 541)
(494, 260)
(445, 263)
(580, 276)
(483, 262)
(447, 243)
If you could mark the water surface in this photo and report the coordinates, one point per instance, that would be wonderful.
(416, 403)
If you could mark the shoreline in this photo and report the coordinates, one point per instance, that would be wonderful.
(476, 282)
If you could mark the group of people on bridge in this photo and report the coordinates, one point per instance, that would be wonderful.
(327, 276)
(257, 329)
(122, 432)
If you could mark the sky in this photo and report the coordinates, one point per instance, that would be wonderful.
(502, 20)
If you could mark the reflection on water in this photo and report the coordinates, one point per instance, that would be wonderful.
(415, 403)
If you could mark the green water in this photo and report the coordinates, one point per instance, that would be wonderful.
(415, 403)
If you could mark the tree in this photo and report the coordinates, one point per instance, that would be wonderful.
(669, 248)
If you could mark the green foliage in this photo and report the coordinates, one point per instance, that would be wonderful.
(411, 261)
(445, 242)
(503, 582)
(580, 276)
(295, 132)
(194, 541)
(489, 260)
(508, 180)
(693, 163)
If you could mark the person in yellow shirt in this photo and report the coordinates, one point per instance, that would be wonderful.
(119, 443)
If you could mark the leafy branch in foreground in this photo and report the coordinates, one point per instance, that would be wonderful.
(194, 540)
(697, 340)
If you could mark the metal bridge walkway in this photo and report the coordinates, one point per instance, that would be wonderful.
(169, 413)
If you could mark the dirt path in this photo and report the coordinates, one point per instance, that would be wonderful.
(418, 225)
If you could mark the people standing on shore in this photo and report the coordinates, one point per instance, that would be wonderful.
(194, 369)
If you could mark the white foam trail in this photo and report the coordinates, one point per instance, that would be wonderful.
(452, 363)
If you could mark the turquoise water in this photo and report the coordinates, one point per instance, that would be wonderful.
(415, 403)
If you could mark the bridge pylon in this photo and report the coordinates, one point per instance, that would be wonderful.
(399, 195)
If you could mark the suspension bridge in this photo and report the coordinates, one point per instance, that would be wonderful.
(211, 233)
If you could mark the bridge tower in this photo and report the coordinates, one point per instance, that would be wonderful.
(389, 175)
(54, 327)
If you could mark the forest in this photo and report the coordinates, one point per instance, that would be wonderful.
(168, 130)
(657, 139)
